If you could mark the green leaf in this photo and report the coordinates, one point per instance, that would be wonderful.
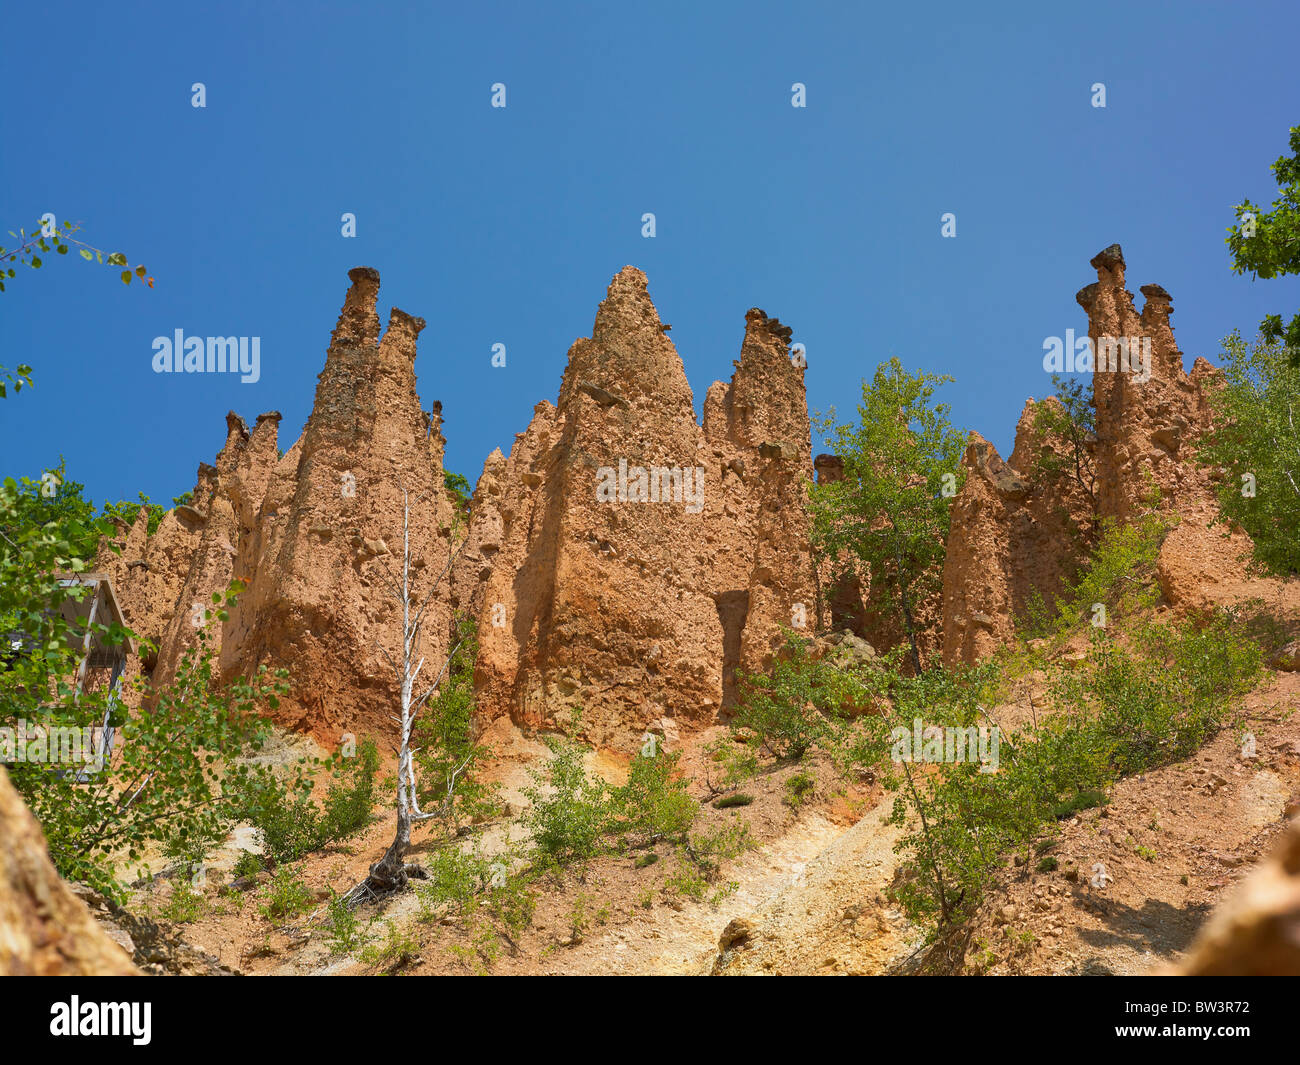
(86, 254)
(36, 262)
(126, 277)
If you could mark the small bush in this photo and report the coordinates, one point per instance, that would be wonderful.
(186, 904)
(391, 953)
(344, 925)
(1083, 800)
(570, 813)
(798, 789)
(738, 798)
(291, 827)
(653, 804)
(285, 896)
(788, 710)
(247, 865)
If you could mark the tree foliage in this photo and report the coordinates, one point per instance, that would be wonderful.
(1267, 243)
(1068, 417)
(1255, 439)
(902, 466)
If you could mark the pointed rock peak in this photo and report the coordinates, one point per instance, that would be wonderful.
(1159, 305)
(267, 425)
(403, 329)
(629, 357)
(204, 487)
(757, 323)
(358, 322)
(629, 278)
(235, 427)
(627, 305)
(982, 457)
(236, 438)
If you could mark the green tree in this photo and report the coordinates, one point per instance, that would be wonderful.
(58, 501)
(458, 487)
(1267, 243)
(902, 465)
(1255, 438)
(1069, 417)
(175, 778)
(126, 511)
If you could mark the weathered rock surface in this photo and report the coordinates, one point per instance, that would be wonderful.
(1017, 530)
(642, 611)
(44, 929)
(1012, 536)
(313, 535)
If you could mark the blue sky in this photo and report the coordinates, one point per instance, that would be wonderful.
(505, 225)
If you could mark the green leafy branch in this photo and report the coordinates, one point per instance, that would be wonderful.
(58, 242)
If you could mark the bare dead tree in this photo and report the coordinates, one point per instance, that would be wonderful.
(392, 871)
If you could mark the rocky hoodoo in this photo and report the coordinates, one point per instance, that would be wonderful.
(639, 612)
(1019, 527)
(319, 600)
(45, 930)
(313, 535)
(1010, 535)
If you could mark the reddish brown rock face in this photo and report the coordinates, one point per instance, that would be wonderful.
(584, 596)
(311, 535)
(44, 929)
(641, 611)
(1014, 532)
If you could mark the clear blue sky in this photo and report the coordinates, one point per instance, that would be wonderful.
(506, 225)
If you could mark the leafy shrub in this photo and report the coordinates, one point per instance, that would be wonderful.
(653, 804)
(290, 826)
(1128, 708)
(344, 925)
(1083, 800)
(787, 711)
(247, 865)
(454, 876)
(798, 788)
(395, 950)
(570, 813)
(449, 754)
(1255, 439)
(285, 896)
(737, 798)
(186, 904)
(1119, 575)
